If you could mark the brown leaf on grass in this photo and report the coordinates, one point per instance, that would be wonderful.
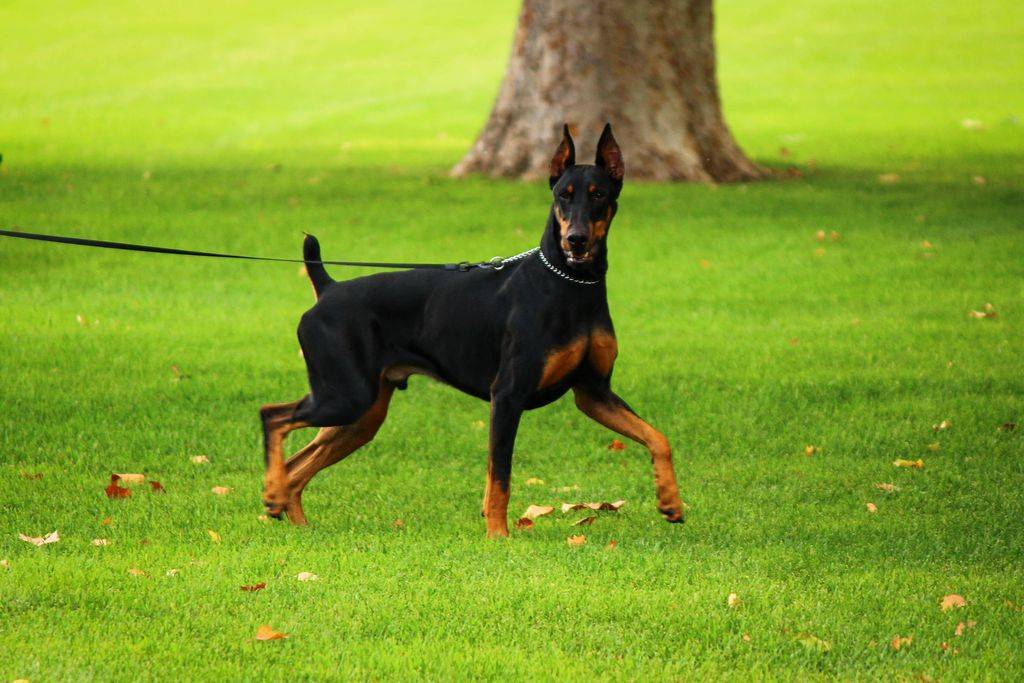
(834, 236)
(888, 488)
(172, 572)
(157, 487)
(925, 244)
(214, 536)
(820, 235)
(810, 450)
(616, 445)
(952, 601)
(611, 545)
(576, 540)
(1008, 426)
(265, 632)
(100, 542)
(254, 587)
(38, 541)
(130, 478)
(586, 521)
(398, 524)
(871, 507)
(106, 521)
(983, 314)
(917, 464)
(813, 642)
(5, 563)
(963, 626)
(567, 507)
(534, 481)
(306, 576)
(137, 572)
(535, 511)
(221, 490)
(115, 490)
(746, 637)
(733, 601)
(524, 523)
(199, 460)
(30, 475)
(899, 642)
(979, 180)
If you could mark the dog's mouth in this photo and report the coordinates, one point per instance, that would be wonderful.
(578, 257)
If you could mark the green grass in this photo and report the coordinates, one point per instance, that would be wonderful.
(237, 126)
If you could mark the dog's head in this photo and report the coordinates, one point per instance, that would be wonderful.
(585, 197)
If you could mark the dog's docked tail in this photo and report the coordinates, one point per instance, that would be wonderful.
(314, 268)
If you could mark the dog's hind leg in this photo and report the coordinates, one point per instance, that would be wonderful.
(331, 445)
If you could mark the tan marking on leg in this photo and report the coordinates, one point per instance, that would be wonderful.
(496, 506)
(277, 424)
(602, 353)
(561, 361)
(619, 419)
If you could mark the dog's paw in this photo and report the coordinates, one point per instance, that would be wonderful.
(672, 515)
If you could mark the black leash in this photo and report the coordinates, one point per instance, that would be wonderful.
(496, 262)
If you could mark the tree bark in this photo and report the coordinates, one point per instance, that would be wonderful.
(645, 66)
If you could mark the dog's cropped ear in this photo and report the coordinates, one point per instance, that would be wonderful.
(565, 156)
(609, 156)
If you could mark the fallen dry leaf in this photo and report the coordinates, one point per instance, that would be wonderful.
(926, 244)
(810, 450)
(214, 536)
(254, 587)
(566, 507)
(38, 541)
(611, 545)
(199, 460)
(820, 235)
(899, 642)
(616, 445)
(523, 523)
(306, 576)
(963, 626)
(834, 236)
(813, 642)
(265, 632)
(1008, 426)
(586, 521)
(934, 447)
(479, 424)
(106, 521)
(263, 518)
(132, 478)
(5, 563)
(871, 507)
(115, 490)
(534, 481)
(746, 637)
(733, 601)
(221, 490)
(535, 511)
(137, 572)
(952, 601)
(983, 314)
(398, 524)
(889, 178)
(888, 488)
(100, 541)
(30, 475)
(576, 540)
(918, 464)
(978, 180)
(157, 487)
(172, 572)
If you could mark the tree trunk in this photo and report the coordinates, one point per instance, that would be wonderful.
(645, 66)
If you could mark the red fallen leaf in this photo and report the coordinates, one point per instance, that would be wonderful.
(576, 540)
(535, 511)
(524, 523)
(963, 626)
(106, 521)
(586, 521)
(115, 490)
(888, 488)
(616, 445)
(952, 601)
(254, 587)
(265, 632)
(566, 507)
(157, 486)
(871, 507)
(898, 642)
(611, 545)
(1005, 427)
(137, 572)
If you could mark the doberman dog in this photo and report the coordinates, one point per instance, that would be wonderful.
(519, 336)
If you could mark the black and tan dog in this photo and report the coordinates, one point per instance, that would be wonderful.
(520, 337)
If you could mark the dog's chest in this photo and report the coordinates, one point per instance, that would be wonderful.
(598, 349)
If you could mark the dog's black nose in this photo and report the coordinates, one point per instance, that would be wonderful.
(577, 242)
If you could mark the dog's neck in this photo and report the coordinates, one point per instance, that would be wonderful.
(551, 247)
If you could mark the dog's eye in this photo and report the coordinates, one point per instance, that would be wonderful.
(565, 196)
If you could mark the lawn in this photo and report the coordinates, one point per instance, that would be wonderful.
(236, 126)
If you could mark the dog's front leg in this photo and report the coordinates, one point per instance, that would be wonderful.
(506, 409)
